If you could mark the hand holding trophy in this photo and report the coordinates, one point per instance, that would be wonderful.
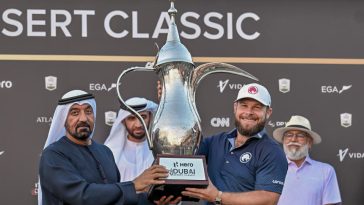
(175, 131)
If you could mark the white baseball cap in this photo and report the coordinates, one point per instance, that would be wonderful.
(256, 92)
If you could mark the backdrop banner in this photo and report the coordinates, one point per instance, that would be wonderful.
(309, 54)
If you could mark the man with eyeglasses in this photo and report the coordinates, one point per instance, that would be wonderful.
(308, 182)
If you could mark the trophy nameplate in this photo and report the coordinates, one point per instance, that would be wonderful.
(184, 171)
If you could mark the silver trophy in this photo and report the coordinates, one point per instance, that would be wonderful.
(175, 131)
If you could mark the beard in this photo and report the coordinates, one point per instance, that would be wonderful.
(252, 131)
(135, 135)
(82, 131)
(296, 153)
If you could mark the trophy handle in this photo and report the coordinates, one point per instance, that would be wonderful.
(208, 68)
(118, 84)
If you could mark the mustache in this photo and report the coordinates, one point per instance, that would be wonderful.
(248, 117)
(294, 143)
(83, 124)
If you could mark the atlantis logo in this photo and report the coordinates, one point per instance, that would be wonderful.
(334, 89)
(222, 85)
(44, 119)
(343, 153)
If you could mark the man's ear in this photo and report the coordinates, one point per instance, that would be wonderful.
(269, 112)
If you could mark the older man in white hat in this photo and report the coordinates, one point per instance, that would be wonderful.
(307, 181)
(127, 139)
(74, 169)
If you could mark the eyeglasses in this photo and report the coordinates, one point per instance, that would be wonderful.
(299, 135)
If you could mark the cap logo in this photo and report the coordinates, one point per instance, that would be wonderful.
(253, 90)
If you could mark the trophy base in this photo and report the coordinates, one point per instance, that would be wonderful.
(157, 191)
(184, 171)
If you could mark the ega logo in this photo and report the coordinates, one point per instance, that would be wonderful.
(334, 89)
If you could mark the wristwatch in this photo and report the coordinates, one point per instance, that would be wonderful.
(218, 198)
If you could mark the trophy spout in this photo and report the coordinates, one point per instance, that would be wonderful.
(124, 105)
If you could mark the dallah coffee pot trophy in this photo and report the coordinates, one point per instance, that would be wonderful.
(175, 132)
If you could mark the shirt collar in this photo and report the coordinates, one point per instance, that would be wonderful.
(232, 135)
(308, 161)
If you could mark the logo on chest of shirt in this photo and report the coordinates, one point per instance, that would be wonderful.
(246, 157)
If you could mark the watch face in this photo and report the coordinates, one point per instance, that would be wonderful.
(218, 198)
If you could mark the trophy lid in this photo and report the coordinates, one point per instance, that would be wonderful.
(173, 50)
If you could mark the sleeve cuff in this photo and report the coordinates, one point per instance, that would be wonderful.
(128, 195)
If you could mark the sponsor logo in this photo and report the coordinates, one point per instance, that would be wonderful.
(101, 87)
(110, 117)
(253, 90)
(43, 119)
(345, 119)
(284, 85)
(6, 84)
(246, 157)
(277, 182)
(276, 124)
(220, 122)
(345, 154)
(182, 169)
(334, 89)
(50, 83)
(34, 191)
(225, 84)
(222, 85)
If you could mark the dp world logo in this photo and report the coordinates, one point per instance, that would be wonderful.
(244, 158)
(276, 123)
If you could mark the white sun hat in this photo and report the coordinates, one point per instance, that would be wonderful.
(297, 123)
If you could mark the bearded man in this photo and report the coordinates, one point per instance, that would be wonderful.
(74, 169)
(127, 139)
(245, 165)
(308, 181)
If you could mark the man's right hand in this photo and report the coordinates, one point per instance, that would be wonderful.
(152, 175)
